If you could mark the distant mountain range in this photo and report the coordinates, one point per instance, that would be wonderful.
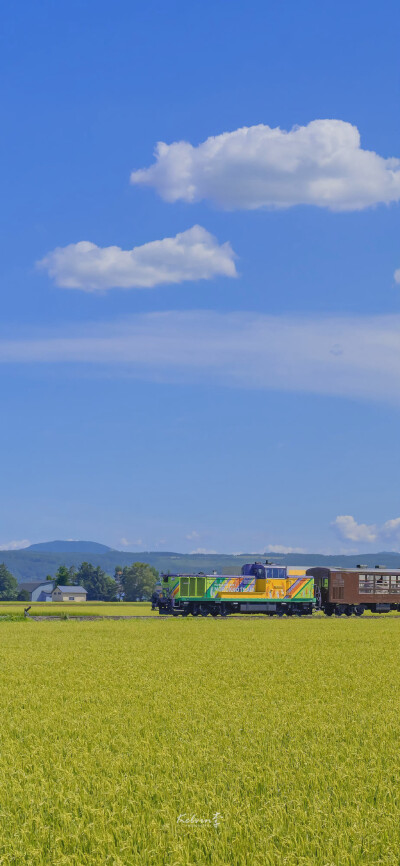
(39, 560)
(71, 546)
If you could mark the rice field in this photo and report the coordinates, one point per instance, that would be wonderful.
(87, 608)
(120, 742)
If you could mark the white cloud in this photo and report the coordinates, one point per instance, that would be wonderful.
(320, 164)
(191, 255)
(15, 545)
(391, 527)
(245, 350)
(281, 548)
(397, 276)
(202, 550)
(192, 535)
(350, 530)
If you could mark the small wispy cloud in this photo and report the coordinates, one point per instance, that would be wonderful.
(191, 255)
(320, 164)
(192, 535)
(160, 543)
(202, 550)
(126, 543)
(15, 545)
(243, 350)
(282, 548)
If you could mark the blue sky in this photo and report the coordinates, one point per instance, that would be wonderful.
(236, 387)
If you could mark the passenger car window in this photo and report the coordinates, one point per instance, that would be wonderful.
(365, 583)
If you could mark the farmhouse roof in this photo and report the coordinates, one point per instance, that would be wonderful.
(76, 589)
(30, 586)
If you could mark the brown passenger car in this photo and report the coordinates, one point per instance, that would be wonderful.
(353, 590)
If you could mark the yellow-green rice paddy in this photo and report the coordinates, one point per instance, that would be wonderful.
(87, 608)
(120, 741)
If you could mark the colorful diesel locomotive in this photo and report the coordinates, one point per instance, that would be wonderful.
(259, 589)
(276, 590)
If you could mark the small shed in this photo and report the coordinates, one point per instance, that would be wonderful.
(69, 593)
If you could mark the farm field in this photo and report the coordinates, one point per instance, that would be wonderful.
(87, 608)
(126, 608)
(289, 729)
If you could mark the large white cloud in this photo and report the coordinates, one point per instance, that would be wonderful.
(350, 356)
(348, 529)
(191, 255)
(320, 164)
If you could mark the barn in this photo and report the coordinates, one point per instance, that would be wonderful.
(37, 590)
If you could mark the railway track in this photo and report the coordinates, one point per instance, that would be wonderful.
(235, 616)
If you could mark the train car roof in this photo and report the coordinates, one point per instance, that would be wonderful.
(203, 574)
(362, 569)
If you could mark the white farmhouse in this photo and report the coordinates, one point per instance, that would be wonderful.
(69, 593)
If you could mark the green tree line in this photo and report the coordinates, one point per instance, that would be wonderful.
(131, 583)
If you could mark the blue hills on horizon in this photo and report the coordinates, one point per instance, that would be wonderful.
(72, 546)
(75, 546)
(35, 562)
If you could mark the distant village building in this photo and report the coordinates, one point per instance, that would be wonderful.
(38, 590)
(69, 593)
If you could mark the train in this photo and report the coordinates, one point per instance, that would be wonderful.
(275, 590)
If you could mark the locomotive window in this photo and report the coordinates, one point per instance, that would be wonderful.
(395, 583)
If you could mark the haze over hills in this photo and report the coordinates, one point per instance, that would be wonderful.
(39, 560)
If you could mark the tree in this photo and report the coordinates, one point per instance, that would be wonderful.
(118, 581)
(23, 595)
(8, 584)
(99, 585)
(138, 581)
(65, 576)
